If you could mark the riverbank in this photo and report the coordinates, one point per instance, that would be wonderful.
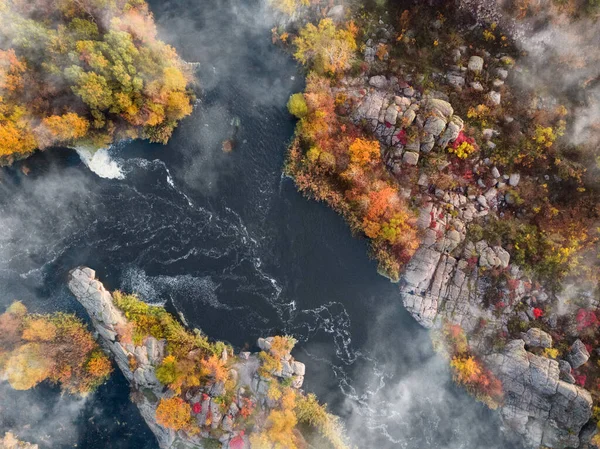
(462, 146)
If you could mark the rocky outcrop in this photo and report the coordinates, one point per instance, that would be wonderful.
(445, 281)
(138, 364)
(106, 319)
(535, 337)
(578, 354)
(402, 119)
(544, 409)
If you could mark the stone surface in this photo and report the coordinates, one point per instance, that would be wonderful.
(542, 408)
(441, 108)
(410, 158)
(337, 13)
(475, 64)
(380, 82)
(434, 125)
(535, 337)
(391, 115)
(578, 354)
(494, 97)
(455, 80)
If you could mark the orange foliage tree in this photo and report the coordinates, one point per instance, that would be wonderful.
(174, 413)
(363, 151)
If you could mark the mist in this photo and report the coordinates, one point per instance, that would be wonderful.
(237, 64)
(399, 393)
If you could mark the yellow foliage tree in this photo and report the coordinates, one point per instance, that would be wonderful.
(16, 138)
(288, 7)
(280, 429)
(297, 105)
(282, 345)
(66, 127)
(466, 369)
(329, 49)
(28, 366)
(39, 329)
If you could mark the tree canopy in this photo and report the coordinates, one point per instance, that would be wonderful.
(57, 348)
(327, 48)
(86, 72)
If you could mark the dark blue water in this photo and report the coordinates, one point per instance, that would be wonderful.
(229, 243)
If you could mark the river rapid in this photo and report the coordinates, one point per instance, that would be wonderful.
(227, 242)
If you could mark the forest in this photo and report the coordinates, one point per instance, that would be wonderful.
(86, 73)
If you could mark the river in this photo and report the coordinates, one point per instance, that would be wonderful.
(229, 243)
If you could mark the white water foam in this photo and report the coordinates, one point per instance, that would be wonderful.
(101, 163)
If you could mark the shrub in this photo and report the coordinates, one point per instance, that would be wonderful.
(309, 411)
(211, 443)
(463, 146)
(57, 348)
(166, 373)
(297, 105)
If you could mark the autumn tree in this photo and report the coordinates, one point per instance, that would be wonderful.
(278, 432)
(297, 105)
(288, 7)
(27, 366)
(66, 127)
(99, 365)
(56, 348)
(174, 413)
(309, 411)
(363, 151)
(214, 368)
(325, 47)
(282, 345)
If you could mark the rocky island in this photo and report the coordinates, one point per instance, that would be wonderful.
(193, 393)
